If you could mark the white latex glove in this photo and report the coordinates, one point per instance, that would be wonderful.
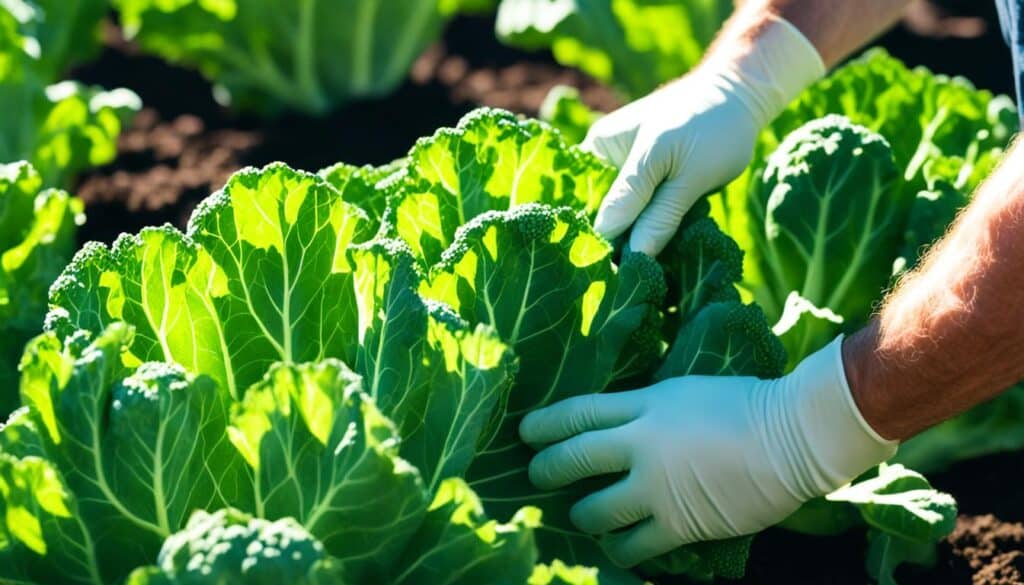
(696, 134)
(707, 457)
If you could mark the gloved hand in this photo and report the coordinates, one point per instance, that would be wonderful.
(707, 457)
(695, 134)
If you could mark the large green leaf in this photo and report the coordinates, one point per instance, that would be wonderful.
(545, 281)
(323, 454)
(133, 454)
(832, 222)
(930, 121)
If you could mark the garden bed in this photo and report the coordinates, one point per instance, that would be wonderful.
(183, 146)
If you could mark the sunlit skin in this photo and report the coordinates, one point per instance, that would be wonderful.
(951, 334)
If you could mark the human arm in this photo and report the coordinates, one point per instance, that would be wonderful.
(952, 333)
(696, 134)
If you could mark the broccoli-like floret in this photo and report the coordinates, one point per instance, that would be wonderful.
(702, 265)
(229, 546)
(725, 339)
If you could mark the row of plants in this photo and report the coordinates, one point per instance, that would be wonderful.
(320, 379)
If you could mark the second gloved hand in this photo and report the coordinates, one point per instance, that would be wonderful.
(705, 458)
(696, 134)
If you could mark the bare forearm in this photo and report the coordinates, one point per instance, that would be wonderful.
(836, 28)
(952, 334)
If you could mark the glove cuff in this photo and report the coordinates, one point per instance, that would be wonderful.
(781, 64)
(836, 442)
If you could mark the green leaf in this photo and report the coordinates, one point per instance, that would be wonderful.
(887, 552)
(458, 544)
(307, 56)
(37, 235)
(361, 186)
(491, 161)
(64, 128)
(558, 573)
(902, 503)
(545, 281)
(636, 45)
(906, 515)
(67, 32)
(833, 223)
(323, 454)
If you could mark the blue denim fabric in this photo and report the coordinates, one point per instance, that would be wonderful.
(1011, 16)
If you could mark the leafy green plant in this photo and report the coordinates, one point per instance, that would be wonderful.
(63, 33)
(66, 127)
(635, 45)
(353, 351)
(309, 55)
(37, 237)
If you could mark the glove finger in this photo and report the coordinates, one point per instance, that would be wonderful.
(646, 541)
(612, 137)
(612, 508)
(576, 415)
(592, 453)
(628, 196)
(613, 149)
(660, 220)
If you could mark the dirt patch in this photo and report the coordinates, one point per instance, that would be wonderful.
(164, 168)
(990, 550)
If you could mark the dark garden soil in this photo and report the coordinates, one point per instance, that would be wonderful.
(183, 146)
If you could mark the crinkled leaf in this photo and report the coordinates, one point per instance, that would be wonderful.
(457, 543)
(491, 161)
(323, 454)
(832, 220)
(545, 281)
(135, 452)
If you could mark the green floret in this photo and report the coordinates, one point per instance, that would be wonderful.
(230, 546)
(702, 265)
(367, 187)
(533, 221)
(725, 339)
